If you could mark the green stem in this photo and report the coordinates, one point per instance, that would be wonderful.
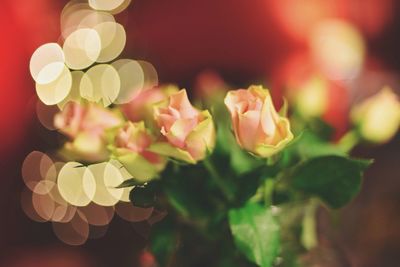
(349, 141)
(309, 235)
(218, 180)
(268, 190)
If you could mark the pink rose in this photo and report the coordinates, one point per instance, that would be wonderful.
(141, 106)
(85, 125)
(131, 145)
(188, 133)
(258, 128)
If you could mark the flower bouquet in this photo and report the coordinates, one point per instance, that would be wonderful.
(228, 181)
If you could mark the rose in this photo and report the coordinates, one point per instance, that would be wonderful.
(85, 126)
(258, 128)
(131, 143)
(378, 117)
(188, 134)
(141, 106)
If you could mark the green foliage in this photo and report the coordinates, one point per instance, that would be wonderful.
(143, 196)
(256, 233)
(334, 179)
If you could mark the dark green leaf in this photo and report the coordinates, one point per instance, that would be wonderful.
(143, 196)
(130, 183)
(334, 179)
(256, 233)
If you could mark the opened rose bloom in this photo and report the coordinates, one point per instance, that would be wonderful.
(188, 134)
(378, 117)
(130, 148)
(258, 127)
(85, 126)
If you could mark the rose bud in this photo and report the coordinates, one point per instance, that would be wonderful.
(141, 106)
(130, 148)
(85, 126)
(188, 134)
(378, 117)
(258, 128)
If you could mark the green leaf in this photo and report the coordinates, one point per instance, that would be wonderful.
(130, 183)
(143, 196)
(256, 233)
(334, 179)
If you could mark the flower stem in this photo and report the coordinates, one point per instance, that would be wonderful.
(309, 235)
(218, 180)
(348, 141)
(268, 189)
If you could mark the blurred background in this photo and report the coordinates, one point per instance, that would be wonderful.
(350, 45)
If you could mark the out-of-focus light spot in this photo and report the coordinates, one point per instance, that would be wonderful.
(113, 6)
(297, 18)
(75, 232)
(94, 18)
(150, 74)
(312, 98)
(113, 39)
(82, 48)
(77, 15)
(63, 214)
(132, 79)
(35, 166)
(47, 63)
(76, 184)
(45, 114)
(338, 49)
(131, 213)
(44, 187)
(54, 92)
(125, 176)
(27, 206)
(74, 93)
(43, 204)
(97, 215)
(100, 83)
(107, 177)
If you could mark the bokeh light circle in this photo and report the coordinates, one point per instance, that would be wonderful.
(82, 48)
(76, 184)
(113, 40)
(54, 92)
(100, 83)
(46, 63)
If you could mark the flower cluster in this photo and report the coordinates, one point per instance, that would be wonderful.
(227, 160)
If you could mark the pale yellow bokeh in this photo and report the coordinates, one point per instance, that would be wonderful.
(378, 117)
(150, 74)
(56, 91)
(113, 6)
(113, 40)
(74, 93)
(338, 48)
(107, 177)
(47, 63)
(312, 97)
(76, 184)
(82, 48)
(132, 79)
(100, 83)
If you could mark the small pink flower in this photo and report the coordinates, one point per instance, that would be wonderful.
(85, 125)
(141, 106)
(131, 145)
(189, 132)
